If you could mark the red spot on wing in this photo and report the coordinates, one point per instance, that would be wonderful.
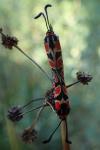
(57, 91)
(60, 62)
(57, 105)
(46, 47)
(52, 63)
(58, 47)
(55, 78)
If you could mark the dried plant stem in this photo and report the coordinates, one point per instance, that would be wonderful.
(37, 117)
(34, 62)
(72, 84)
(64, 129)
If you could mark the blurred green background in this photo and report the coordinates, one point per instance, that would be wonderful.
(77, 22)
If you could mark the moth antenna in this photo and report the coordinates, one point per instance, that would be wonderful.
(45, 8)
(39, 15)
(42, 14)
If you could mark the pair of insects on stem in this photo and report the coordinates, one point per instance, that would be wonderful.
(57, 96)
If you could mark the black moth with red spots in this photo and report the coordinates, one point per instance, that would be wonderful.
(57, 96)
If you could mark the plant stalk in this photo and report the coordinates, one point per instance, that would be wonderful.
(64, 129)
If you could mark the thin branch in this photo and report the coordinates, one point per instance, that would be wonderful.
(10, 42)
(33, 109)
(72, 84)
(33, 100)
(37, 117)
(34, 62)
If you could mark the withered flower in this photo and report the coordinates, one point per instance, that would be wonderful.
(15, 113)
(83, 77)
(8, 41)
(29, 135)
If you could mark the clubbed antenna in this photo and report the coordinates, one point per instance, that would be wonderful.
(45, 16)
(45, 8)
(39, 15)
(42, 14)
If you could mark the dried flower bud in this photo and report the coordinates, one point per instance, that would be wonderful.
(83, 77)
(15, 113)
(9, 42)
(29, 135)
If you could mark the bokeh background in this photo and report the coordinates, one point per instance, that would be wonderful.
(77, 22)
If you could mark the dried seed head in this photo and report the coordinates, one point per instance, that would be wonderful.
(83, 77)
(9, 42)
(15, 113)
(29, 135)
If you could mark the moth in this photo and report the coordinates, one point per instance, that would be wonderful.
(57, 96)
